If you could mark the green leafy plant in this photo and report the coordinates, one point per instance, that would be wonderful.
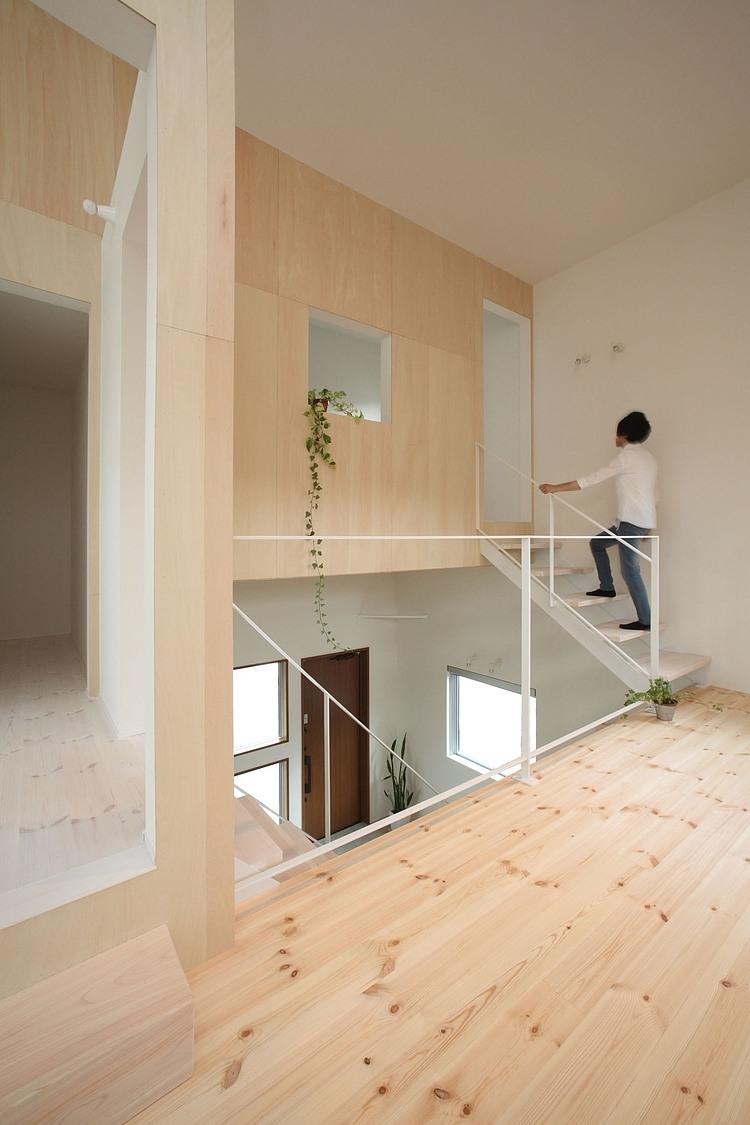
(318, 445)
(397, 791)
(658, 691)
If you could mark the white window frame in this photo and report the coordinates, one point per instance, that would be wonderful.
(504, 753)
(248, 757)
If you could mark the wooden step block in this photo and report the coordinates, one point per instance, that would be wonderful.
(252, 843)
(545, 571)
(100, 1041)
(674, 665)
(579, 600)
(612, 630)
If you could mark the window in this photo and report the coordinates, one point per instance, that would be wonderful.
(268, 785)
(260, 708)
(484, 719)
(351, 357)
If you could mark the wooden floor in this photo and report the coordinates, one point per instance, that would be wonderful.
(573, 951)
(69, 792)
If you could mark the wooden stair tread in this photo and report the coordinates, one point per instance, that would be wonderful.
(252, 843)
(291, 839)
(545, 571)
(675, 665)
(578, 600)
(612, 630)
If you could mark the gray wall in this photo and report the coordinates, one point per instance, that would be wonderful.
(473, 617)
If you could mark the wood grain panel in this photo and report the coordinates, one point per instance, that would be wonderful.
(218, 759)
(190, 889)
(183, 179)
(220, 172)
(435, 421)
(257, 226)
(505, 960)
(433, 289)
(334, 246)
(256, 425)
(100, 1041)
(57, 122)
(357, 497)
(494, 284)
(292, 460)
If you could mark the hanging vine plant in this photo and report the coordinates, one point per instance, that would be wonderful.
(318, 445)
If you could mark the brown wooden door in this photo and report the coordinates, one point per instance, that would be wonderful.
(346, 676)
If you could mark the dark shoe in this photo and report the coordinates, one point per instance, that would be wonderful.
(601, 593)
(636, 625)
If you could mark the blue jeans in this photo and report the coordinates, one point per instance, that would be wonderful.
(629, 565)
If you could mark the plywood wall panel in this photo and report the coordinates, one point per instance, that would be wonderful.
(257, 228)
(291, 457)
(358, 496)
(191, 888)
(182, 175)
(334, 246)
(56, 136)
(504, 289)
(220, 173)
(256, 430)
(218, 759)
(435, 419)
(433, 289)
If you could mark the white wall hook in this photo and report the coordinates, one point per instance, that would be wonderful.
(582, 357)
(618, 348)
(109, 214)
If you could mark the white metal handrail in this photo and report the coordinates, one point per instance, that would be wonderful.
(327, 700)
(652, 560)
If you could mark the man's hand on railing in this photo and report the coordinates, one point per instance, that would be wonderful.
(566, 486)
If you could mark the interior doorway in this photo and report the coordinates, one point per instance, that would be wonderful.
(346, 676)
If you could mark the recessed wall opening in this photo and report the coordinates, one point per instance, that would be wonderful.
(352, 357)
(507, 415)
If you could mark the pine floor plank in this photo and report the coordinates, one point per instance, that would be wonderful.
(575, 951)
(70, 792)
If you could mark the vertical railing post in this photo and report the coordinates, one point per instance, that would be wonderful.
(478, 486)
(525, 658)
(654, 607)
(327, 760)
(551, 550)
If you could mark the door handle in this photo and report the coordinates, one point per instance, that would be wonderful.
(308, 774)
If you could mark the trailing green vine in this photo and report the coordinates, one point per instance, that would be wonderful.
(318, 445)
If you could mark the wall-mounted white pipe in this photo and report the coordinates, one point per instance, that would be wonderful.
(109, 214)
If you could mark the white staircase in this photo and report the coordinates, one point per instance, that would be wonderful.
(604, 640)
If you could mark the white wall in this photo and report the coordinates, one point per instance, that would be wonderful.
(35, 506)
(473, 615)
(677, 296)
(79, 522)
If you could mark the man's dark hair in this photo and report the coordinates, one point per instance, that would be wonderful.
(635, 427)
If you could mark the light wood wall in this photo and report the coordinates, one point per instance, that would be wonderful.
(191, 890)
(303, 240)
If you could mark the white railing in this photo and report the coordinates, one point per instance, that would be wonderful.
(518, 766)
(328, 699)
(551, 537)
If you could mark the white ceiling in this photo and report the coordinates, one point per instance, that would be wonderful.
(534, 133)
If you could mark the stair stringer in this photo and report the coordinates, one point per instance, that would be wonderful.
(586, 635)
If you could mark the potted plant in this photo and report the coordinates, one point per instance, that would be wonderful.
(318, 445)
(398, 794)
(660, 693)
